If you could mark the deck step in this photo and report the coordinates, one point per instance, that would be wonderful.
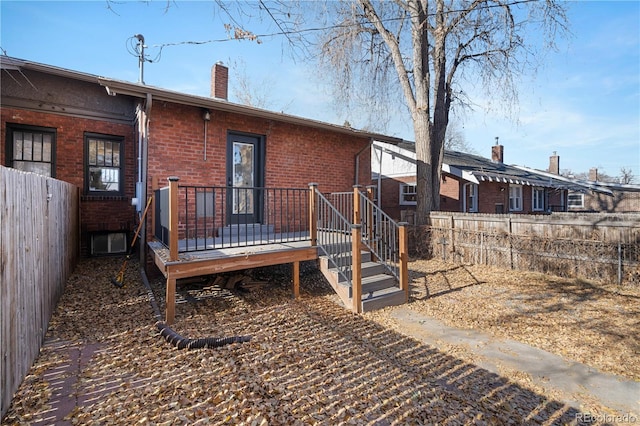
(389, 297)
(344, 259)
(368, 269)
(379, 288)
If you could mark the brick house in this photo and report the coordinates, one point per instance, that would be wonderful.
(471, 183)
(117, 140)
(624, 198)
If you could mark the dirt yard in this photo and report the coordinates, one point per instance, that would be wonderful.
(311, 361)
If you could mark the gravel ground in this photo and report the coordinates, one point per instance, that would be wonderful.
(309, 361)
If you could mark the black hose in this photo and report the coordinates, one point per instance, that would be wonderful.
(208, 342)
(182, 342)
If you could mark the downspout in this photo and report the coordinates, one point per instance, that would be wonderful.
(464, 197)
(143, 164)
(358, 159)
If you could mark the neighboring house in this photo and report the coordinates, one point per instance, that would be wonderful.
(625, 198)
(235, 187)
(470, 183)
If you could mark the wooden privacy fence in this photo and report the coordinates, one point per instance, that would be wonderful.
(39, 235)
(602, 247)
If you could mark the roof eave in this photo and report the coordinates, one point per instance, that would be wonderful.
(138, 90)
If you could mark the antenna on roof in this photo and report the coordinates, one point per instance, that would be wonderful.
(140, 51)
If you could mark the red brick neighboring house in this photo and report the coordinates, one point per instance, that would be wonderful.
(470, 183)
(114, 139)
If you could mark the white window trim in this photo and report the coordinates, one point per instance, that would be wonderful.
(517, 199)
(473, 196)
(575, 206)
(533, 199)
(402, 201)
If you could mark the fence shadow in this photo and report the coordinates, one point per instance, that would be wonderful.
(424, 285)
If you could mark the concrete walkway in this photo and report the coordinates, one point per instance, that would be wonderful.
(550, 371)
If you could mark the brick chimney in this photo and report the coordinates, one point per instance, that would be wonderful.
(497, 152)
(554, 164)
(219, 81)
(593, 174)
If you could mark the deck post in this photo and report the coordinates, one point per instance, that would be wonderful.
(356, 267)
(356, 204)
(173, 218)
(313, 214)
(296, 280)
(403, 243)
(171, 300)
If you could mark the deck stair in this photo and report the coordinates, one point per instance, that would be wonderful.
(379, 288)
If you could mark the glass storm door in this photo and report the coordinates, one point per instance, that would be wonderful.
(244, 176)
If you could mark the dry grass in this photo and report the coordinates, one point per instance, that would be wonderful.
(309, 361)
(595, 324)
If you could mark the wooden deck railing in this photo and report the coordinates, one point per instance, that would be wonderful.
(192, 218)
(352, 219)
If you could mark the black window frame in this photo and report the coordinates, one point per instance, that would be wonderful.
(9, 148)
(87, 167)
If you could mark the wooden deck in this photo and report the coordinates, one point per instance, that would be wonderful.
(230, 258)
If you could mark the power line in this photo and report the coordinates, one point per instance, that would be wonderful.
(247, 35)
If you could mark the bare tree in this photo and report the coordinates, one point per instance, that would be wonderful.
(427, 52)
(626, 176)
(429, 48)
(455, 140)
(248, 92)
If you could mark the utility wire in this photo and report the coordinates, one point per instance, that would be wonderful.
(287, 33)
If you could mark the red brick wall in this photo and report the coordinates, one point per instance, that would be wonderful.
(97, 213)
(450, 194)
(294, 155)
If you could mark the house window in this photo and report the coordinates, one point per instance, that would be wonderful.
(111, 243)
(103, 164)
(575, 201)
(408, 194)
(473, 198)
(515, 198)
(538, 199)
(31, 149)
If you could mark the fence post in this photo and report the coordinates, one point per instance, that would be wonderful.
(173, 218)
(313, 214)
(356, 267)
(403, 243)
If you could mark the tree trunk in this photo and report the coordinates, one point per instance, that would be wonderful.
(425, 195)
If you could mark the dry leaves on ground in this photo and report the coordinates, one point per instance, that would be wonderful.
(309, 362)
(592, 323)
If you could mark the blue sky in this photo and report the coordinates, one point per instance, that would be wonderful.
(584, 103)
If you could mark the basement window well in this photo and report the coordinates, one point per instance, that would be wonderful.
(108, 243)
